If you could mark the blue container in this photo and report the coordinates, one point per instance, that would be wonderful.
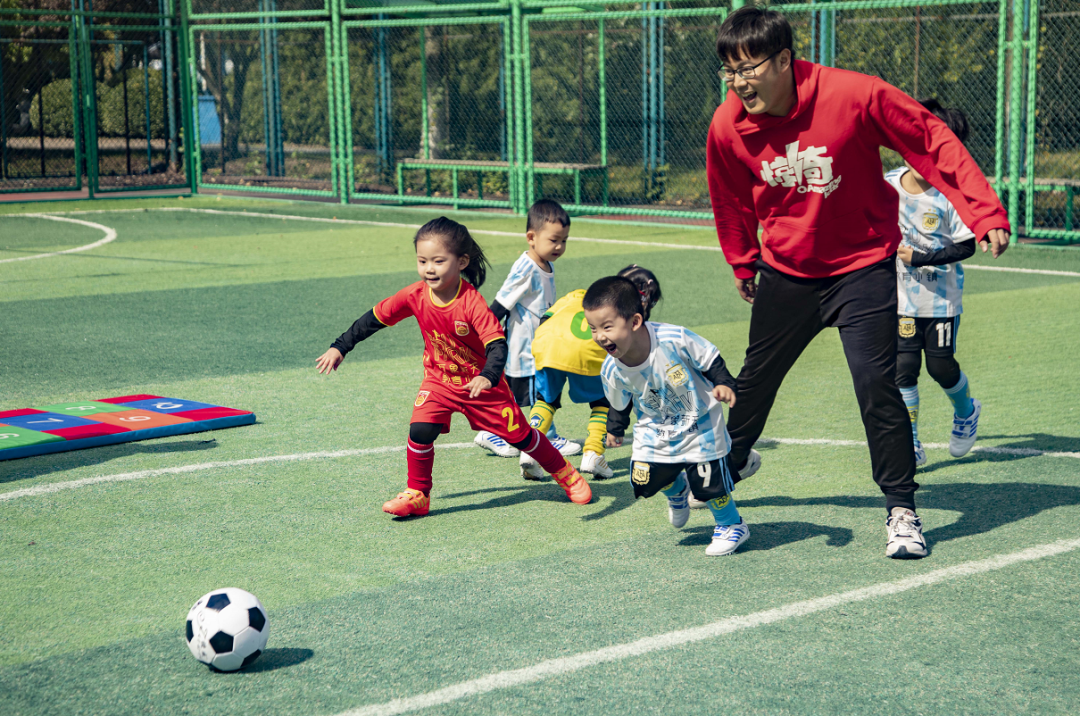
(209, 125)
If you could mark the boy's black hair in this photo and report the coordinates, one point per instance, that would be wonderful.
(645, 282)
(954, 119)
(546, 211)
(753, 31)
(634, 290)
(458, 241)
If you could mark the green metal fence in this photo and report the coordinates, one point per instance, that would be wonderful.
(91, 99)
(602, 105)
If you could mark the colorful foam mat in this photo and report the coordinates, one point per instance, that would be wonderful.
(92, 423)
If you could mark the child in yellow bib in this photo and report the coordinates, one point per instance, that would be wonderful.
(565, 352)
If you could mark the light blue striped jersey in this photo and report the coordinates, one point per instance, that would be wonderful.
(928, 222)
(527, 293)
(678, 419)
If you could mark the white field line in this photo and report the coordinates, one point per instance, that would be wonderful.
(203, 466)
(299, 457)
(1017, 452)
(110, 235)
(566, 665)
(485, 232)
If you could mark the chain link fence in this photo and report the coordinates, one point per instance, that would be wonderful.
(266, 115)
(1055, 129)
(89, 100)
(428, 110)
(604, 107)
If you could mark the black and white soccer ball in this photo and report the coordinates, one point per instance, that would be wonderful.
(227, 629)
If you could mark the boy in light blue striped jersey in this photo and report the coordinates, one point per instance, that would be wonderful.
(675, 380)
(930, 285)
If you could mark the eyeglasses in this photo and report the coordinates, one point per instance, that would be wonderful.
(747, 73)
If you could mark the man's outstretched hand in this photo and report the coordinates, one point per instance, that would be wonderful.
(996, 241)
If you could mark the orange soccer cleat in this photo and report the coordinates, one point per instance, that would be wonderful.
(408, 502)
(576, 488)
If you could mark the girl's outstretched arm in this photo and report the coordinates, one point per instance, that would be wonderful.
(360, 330)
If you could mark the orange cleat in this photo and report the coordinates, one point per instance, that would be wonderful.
(576, 488)
(408, 502)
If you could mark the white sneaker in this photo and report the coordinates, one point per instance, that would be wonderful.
(905, 535)
(920, 454)
(753, 464)
(565, 447)
(963, 432)
(595, 464)
(530, 469)
(727, 538)
(695, 503)
(492, 442)
(678, 507)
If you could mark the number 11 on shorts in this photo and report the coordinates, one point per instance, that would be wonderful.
(944, 334)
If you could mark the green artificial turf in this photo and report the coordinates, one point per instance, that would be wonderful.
(95, 581)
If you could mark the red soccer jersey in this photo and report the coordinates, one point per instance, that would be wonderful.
(455, 335)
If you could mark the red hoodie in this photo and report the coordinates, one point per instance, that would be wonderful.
(813, 179)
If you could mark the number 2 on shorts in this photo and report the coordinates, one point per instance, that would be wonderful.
(508, 413)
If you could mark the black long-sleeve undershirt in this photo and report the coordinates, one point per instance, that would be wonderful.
(717, 374)
(947, 255)
(495, 353)
(500, 311)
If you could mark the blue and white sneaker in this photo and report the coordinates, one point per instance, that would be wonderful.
(492, 442)
(727, 538)
(679, 505)
(565, 447)
(963, 432)
(920, 454)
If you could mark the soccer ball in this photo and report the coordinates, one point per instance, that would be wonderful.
(227, 629)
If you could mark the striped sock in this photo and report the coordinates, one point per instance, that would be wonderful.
(960, 397)
(420, 460)
(911, 400)
(597, 430)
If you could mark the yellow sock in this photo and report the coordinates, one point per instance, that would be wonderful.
(542, 416)
(597, 430)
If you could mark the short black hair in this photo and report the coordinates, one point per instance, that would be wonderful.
(546, 211)
(615, 291)
(753, 31)
(954, 119)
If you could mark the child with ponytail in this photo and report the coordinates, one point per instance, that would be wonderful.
(464, 355)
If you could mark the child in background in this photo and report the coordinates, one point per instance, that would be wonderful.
(458, 329)
(525, 295)
(930, 283)
(676, 381)
(564, 352)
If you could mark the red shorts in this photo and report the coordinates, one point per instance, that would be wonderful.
(493, 410)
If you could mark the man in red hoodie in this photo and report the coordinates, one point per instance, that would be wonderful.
(794, 149)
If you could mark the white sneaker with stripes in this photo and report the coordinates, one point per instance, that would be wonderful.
(963, 432)
(727, 538)
(565, 447)
(492, 442)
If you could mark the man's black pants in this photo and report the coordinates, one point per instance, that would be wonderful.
(788, 312)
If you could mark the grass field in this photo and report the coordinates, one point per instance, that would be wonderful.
(96, 577)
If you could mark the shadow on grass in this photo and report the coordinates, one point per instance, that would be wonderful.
(982, 507)
(769, 535)
(1036, 443)
(58, 462)
(274, 659)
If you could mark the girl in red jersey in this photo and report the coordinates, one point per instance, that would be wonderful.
(458, 329)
